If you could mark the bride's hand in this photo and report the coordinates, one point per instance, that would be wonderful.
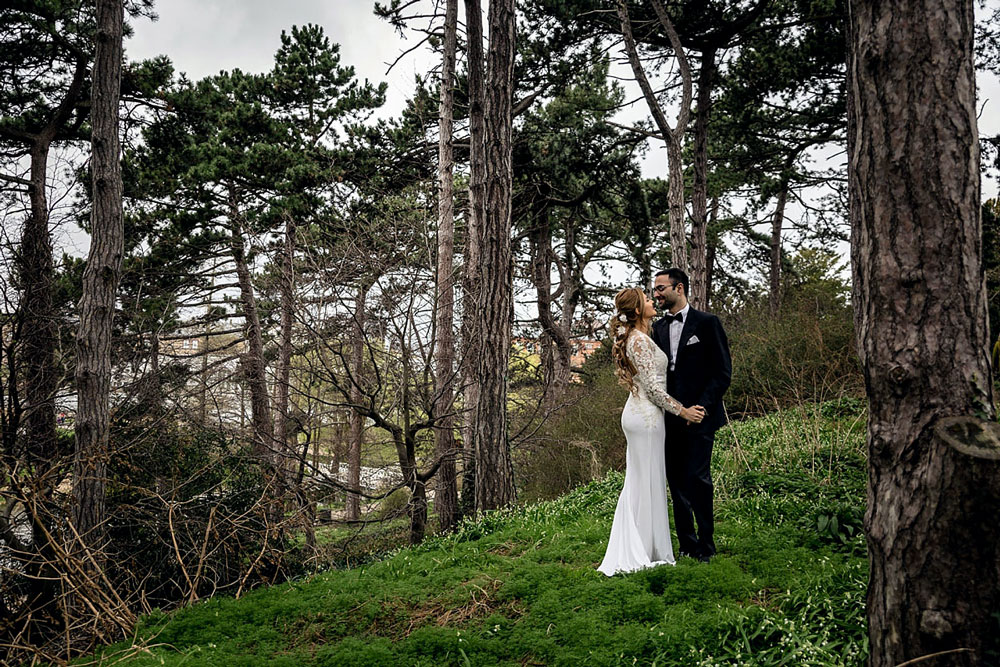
(693, 414)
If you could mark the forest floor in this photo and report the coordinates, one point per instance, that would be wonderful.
(519, 587)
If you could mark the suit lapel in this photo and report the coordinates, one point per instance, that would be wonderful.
(687, 331)
(662, 334)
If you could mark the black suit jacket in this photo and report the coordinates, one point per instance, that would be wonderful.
(702, 370)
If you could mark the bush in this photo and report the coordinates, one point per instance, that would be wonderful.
(581, 442)
(189, 514)
(805, 354)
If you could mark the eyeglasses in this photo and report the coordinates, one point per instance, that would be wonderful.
(664, 288)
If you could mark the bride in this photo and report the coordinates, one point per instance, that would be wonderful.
(640, 534)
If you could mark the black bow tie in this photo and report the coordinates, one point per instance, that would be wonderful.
(669, 319)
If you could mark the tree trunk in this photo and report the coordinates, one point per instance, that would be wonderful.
(100, 282)
(777, 221)
(712, 241)
(570, 288)
(494, 469)
(699, 190)
(418, 512)
(284, 448)
(36, 273)
(675, 196)
(473, 249)
(673, 136)
(920, 313)
(557, 354)
(446, 497)
(253, 359)
(357, 430)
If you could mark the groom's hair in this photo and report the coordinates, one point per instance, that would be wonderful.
(676, 276)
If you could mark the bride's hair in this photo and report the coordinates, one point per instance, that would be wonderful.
(628, 303)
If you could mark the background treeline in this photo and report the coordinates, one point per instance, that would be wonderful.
(298, 368)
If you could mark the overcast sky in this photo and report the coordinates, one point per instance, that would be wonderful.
(202, 37)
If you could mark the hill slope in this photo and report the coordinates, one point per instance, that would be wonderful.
(519, 587)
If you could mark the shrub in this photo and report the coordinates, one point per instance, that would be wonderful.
(580, 443)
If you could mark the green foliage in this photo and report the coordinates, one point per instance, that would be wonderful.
(394, 503)
(806, 352)
(519, 585)
(582, 442)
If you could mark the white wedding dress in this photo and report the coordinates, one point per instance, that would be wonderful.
(640, 534)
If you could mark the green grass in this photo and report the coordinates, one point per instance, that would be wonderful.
(519, 587)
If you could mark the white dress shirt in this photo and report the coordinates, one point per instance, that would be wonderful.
(675, 334)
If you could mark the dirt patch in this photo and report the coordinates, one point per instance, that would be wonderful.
(400, 618)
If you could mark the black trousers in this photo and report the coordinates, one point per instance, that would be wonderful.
(689, 476)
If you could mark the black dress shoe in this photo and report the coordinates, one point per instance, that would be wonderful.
(704, 558)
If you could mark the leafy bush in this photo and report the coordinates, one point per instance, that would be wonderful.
(806, 352)
(581, 442)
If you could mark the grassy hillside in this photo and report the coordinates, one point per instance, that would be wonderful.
(520, 588)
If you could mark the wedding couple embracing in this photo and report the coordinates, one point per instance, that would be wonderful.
(676, 371)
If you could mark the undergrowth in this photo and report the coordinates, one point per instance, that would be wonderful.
(519, 586)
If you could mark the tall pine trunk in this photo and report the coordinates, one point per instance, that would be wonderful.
(711, 246)
(473, 242)
(446, 496)
(557, 352)
(673, 136)
(36, 274)
(920, 313)
(100, 282)
(357, 426)
(699, 189)
(252, 360)
(675, 195)
(494, 468)
(777, 222)
(284, 449)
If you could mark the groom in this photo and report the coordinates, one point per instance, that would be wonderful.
(699, 372)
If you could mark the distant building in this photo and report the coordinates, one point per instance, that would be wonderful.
(581, 348)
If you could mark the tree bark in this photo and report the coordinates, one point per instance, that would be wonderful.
(557, 354)
(357, 427)
(494, 468)
(253, 359)
(675, 214)
(711, 244)
(100, 282)
(473, 249)
(285, 460)
(673, 136)
(446, 497)
(920, 314)
(777, 221)
(699, 189)
(36, 273)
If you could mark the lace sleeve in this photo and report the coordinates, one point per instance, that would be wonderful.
(648, 375)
